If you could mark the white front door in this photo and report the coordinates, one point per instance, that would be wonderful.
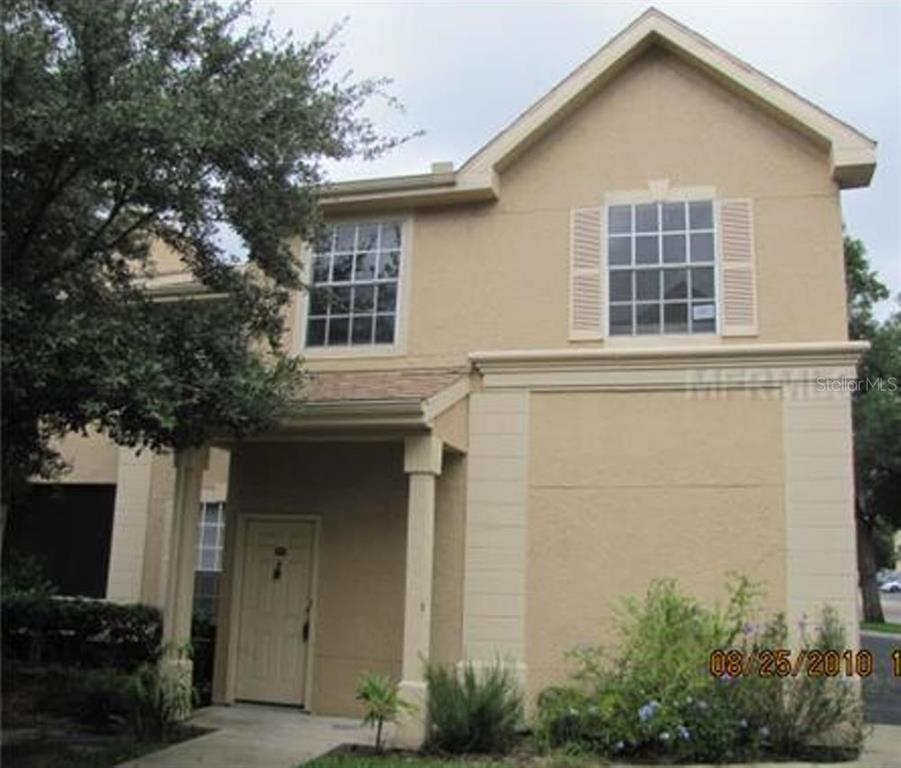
(276, 598)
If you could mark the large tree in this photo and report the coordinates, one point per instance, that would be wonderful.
(877, 420)
(130, 123)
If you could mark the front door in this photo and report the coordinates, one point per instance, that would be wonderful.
(276, 598)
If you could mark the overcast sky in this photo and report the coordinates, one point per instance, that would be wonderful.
(464, 70)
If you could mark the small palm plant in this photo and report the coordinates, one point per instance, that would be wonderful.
(382, 703)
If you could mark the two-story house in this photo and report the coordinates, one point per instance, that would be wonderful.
(608, 348)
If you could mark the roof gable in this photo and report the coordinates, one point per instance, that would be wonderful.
(852, 154)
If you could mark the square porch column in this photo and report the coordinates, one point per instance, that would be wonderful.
(422, 463)
(190, 465)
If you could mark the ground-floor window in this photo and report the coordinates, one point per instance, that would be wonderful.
(210, 543)
(207, 575)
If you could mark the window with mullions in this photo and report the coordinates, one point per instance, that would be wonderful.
(353, 296)
(211, 536)
(210, 543)
(660, 264)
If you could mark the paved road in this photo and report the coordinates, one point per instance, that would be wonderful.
(882, 690)
(891, 606)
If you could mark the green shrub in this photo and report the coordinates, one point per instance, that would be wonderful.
(382, 703)
(95, 697)
(24, 575)
(44, 629)
(473, 711)
(807, 710)
(203, 644)
(157, 700)
(656, 697)
(567, 716)
(103, 695)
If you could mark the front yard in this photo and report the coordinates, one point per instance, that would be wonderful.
(63, 743)
(403, 760)
(56, 718)
(81, 685)
(687, 684)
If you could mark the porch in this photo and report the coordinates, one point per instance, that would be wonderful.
(344, 546)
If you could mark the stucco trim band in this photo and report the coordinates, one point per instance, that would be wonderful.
(710, 367)
(816, 352)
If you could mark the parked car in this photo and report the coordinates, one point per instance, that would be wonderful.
(891, 586)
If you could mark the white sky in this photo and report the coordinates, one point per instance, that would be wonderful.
(463, 70)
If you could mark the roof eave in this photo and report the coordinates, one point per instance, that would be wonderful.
(356, 414)
(853, 154)
(427, 190)
(853, 166)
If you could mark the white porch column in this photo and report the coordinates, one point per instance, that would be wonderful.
(422, 462)
(189, 467)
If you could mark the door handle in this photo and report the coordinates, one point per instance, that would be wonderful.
(306, 622)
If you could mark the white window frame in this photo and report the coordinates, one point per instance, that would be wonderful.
(659, 191)
(399, 345)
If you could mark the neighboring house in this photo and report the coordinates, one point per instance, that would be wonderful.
(593, 356)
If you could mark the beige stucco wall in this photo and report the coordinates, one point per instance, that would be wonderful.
(143, 518)
(447, 569)
(495, 276)
(91, 458)
(628, 487)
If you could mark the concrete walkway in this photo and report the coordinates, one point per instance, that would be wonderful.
(256, 736)
(883, 748)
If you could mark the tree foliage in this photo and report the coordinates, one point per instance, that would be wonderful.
(133, 123)
(877, 424)
(864, 290)
(877, 401)
(877, 419)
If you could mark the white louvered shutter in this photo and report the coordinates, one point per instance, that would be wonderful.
(738, 282)
(586, 274)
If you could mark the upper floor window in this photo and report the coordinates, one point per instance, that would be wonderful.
(354, 287)
(660, 263)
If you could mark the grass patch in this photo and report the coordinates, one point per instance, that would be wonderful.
(390, 760)
(81, 750)
(888, 627)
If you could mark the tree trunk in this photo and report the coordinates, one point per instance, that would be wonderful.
(866, 567)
